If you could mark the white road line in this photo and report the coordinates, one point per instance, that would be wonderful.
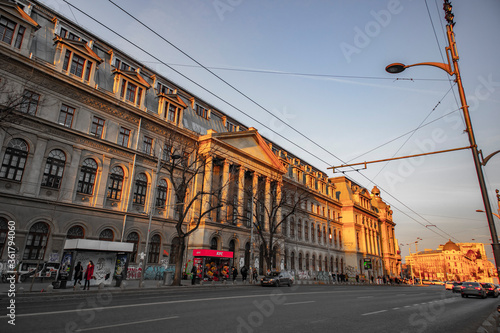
(125, 324)
(365, 297)
(396, 308)
(407, 306)
(299, 303)
(370, 313)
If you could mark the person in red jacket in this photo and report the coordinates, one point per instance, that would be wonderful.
(89, 273)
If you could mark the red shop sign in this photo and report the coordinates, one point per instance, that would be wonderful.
(212, 253)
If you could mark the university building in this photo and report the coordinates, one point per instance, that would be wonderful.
(79, 165)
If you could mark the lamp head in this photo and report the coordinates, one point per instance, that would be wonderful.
(395, 68)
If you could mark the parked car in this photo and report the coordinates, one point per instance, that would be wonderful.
(491, 290)
(437, 282)
(456, 287)
(448, 285)
(277, 279)
(470, 288)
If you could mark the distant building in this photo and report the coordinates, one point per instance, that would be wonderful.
(452, 262)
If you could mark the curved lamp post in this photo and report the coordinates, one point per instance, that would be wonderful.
(452, 69)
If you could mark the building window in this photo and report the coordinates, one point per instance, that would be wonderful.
(161, 199)
(88, 70)
(292, 260)
(167, 152)
(86, 180)
(7, 28)
(19, 37)
(299, 230)
(75, 232)
(201, 111)
(97, 127)
(154, 249)
(231, 127)
(161, 88)
(141, 186)
(54, 168)
(306, 231)
(292, 228)
(123, 137)
(4, 230)
(107, 235)
(172, 113)
(300, 261)
(133, 237)
(147, 145)
(77, 65)
(214, 244)
(66, 116)
(307, 261)
(14, 160)
(116, 183)
(29, 103)
(36, 242)
(131, 92)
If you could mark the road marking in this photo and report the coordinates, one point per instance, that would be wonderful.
(365, 297)
(407, 306)
(299, 303)
(401, 295)
(125, 324)
(396, 308)
(370, 313)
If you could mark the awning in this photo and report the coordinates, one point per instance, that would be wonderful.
(212, 253)
(97, 245)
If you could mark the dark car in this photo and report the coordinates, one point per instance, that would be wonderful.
(472, 289)
(277, 279)
(491, 290)
(456, 287)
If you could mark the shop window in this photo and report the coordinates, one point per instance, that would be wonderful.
(154, 249)
(107, 235)
(14, 160)
(86, 180)
(54, 169)
(174, 250)
(141, 187)
(133, 237)
(66, 115)
(75, 232)
(115, 183)
(4, 230)
(29, 102)
(162, 190)
(36, 242)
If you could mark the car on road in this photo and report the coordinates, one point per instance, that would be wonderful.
(491, 290)
(448, 285)
(456, 287)
(277, 279)
(470, 288)
(437, 282)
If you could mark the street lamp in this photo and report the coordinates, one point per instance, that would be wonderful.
(452, 69)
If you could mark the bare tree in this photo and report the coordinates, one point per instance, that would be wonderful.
(185, 164)
(273, 204)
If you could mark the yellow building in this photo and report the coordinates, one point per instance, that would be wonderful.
(453, 262)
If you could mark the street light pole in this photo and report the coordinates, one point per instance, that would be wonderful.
(452, 69)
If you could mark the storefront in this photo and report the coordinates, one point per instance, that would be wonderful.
(212, 265)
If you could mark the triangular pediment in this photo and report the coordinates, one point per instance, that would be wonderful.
(134, 76)
(16, 11)
(79, 46)
(252, 144)
(174, 98)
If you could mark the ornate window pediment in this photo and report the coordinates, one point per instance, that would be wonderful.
(130, 87)
(171, 107)
(15, 27)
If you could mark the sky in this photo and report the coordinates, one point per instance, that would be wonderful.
(311, 74)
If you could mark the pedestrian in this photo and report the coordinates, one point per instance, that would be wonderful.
(235, 273)
(255, 274)
(193, 274)
(244, 272)
(357, 278)
(78, 273)
(89, 274)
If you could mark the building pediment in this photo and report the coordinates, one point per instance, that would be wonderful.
(79, 46)
(173, 98)
(17, 12)
(251, 143)
(133, 76)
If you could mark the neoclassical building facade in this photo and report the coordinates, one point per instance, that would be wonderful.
(85, 126)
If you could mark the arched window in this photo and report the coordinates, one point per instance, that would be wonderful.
(319, 233)
(133, 237)
(307, 261)
(107, 235)
(286, 259)
(340, 238)
(174, 250)
(292, 260)
(4, 230)
(284, 226)
(141, 187)
(324, 235)
(313, 262)
(306, 231)
(161, 196)
(115, 183)
(54, 168)
(312, 232)
(14, 160)
(299, 230)
(75, 232)
(319, 263)
(36, 241)
(300, 261)
(154, 249)
(214, 244)
(86, 180)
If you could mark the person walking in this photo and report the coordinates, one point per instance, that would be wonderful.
(193, 274)
(235, 273)
(78, 273)
(255, 275)
(244, 272)
(89, 274)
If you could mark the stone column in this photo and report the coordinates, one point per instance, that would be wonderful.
(207, 186)
(225, 190)
(70, 175)
(100, 192)
(241, 196)
(267, 202)
(278, 212)
(31, 178)
(255, 186)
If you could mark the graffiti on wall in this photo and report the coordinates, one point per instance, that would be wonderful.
(104, 265)
(151, 273)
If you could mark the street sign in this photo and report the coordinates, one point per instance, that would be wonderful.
(367, 263)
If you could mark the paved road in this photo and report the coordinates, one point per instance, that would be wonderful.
(254, 309)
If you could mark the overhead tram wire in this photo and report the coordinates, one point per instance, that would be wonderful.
(250, 117)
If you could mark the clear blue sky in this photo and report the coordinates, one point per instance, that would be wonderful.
(352, 105)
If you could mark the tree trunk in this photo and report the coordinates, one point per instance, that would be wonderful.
(178, 262)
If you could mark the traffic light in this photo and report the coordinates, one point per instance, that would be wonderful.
(448, 14)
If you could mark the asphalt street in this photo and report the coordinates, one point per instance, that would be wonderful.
(304, 308)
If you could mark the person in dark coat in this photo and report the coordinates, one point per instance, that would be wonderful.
(193, 273)
(78, 273)
(235, 273)
(89, 274)
(244, 272)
